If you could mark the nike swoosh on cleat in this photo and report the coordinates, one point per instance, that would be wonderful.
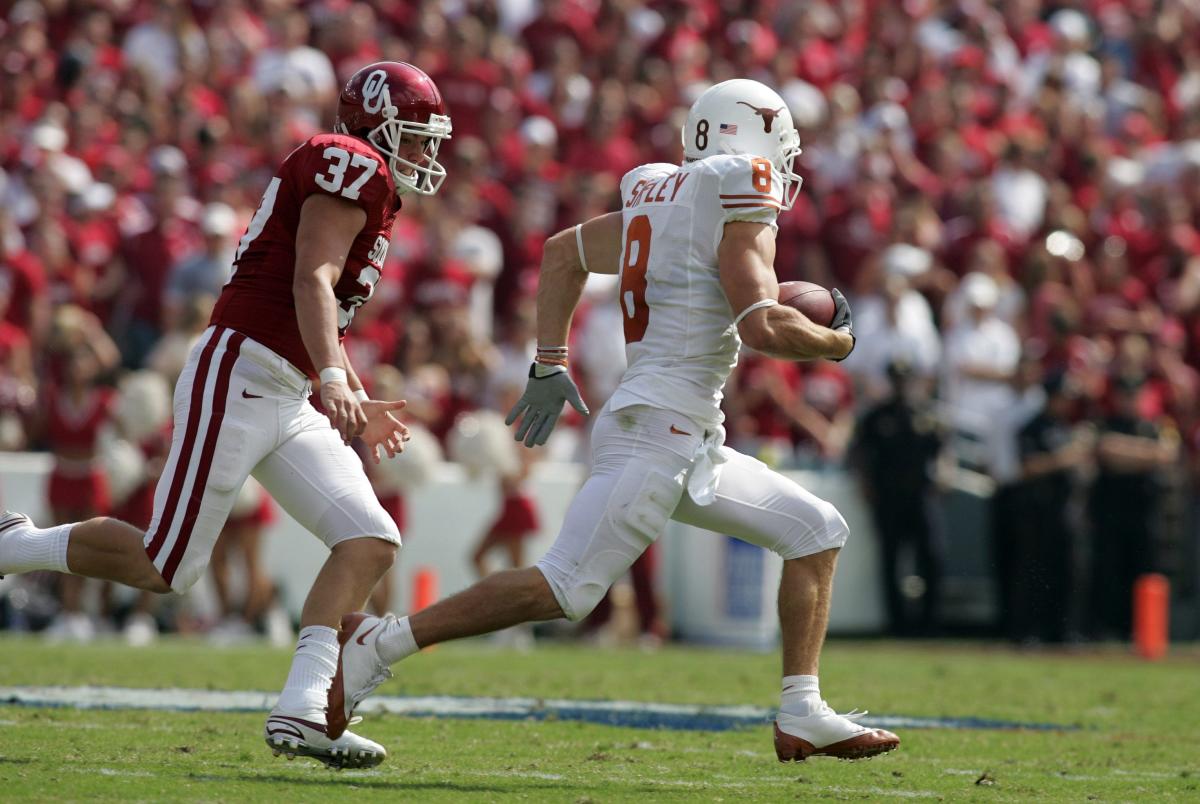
(366, 634)
(306, 723)
(284, 728)
(677, 431)
(247, 395)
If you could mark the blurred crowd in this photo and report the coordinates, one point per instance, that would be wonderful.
(1008, 192)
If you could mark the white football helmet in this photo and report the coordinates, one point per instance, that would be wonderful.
(741, 116)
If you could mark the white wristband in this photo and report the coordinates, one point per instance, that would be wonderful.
(333, 374)
(579, 245)
(361, 395)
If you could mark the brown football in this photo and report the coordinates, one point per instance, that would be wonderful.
(809, 298)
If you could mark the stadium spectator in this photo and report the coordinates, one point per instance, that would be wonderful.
(1041, 599)
(76, 408)
(982, 353)
(1131, 452)
(202, 273)
(897, 445)
(897, 323)
(156, 234)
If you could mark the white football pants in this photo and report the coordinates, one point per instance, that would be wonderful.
(642, 461)
(241, 409)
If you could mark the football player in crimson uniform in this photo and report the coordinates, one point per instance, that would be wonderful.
(695, 247)
(311, 256)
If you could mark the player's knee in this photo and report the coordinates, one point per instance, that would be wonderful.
(375, 550)
(838, 531)
(583, 598)
(824, 529)
(575, 597)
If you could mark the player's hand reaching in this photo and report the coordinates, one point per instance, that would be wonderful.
(541, 404)
(384, 432)
(343, 410)
(843, 321)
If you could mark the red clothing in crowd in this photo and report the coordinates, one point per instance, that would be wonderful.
(77, 484)
(22, 275)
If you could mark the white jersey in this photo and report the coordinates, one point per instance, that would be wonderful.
(680, 341)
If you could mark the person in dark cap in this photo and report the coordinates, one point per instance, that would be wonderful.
(895, 447)
(1053, 452)
(1132, 452)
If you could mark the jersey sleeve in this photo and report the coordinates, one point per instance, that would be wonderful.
(342, 167)
(749, 189)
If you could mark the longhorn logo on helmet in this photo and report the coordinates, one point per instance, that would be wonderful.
(768, 115)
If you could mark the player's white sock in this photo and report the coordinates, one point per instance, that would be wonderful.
(35, 549)
(313, 666)
(396, 642)
(801, 695)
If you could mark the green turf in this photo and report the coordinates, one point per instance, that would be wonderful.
(1138, 737)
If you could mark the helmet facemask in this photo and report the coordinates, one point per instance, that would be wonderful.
(410, 177)
(789, 149)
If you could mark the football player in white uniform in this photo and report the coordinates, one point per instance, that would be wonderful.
(695, 247)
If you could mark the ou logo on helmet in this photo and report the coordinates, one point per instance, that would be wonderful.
(375, 93)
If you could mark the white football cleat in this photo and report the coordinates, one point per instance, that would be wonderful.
(826, 733)
(304, 736)
(11, 523)
(359, 668)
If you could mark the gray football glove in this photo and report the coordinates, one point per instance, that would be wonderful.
(842, 320)
(541, 404)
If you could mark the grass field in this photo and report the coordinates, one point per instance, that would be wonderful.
(1139, 728)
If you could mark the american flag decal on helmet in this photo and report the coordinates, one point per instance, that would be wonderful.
(728, 128)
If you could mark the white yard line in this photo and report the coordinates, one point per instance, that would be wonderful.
(638, 714)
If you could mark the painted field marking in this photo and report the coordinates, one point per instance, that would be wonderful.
(629, 714)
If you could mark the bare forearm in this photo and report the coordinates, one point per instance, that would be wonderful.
(560, 287)
(788, 335)
(316, 313)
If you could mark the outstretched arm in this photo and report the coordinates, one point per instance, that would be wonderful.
(568, 257)
(565, 268)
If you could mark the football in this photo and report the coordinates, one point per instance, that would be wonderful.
(809, 298)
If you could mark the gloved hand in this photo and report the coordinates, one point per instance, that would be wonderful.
(541, 404)
(843, 321)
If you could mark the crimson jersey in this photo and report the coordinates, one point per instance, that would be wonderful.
(257, 301)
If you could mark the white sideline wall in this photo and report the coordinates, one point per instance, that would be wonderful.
(714, 590)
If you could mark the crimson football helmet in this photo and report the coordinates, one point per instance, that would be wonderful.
(384, 101)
